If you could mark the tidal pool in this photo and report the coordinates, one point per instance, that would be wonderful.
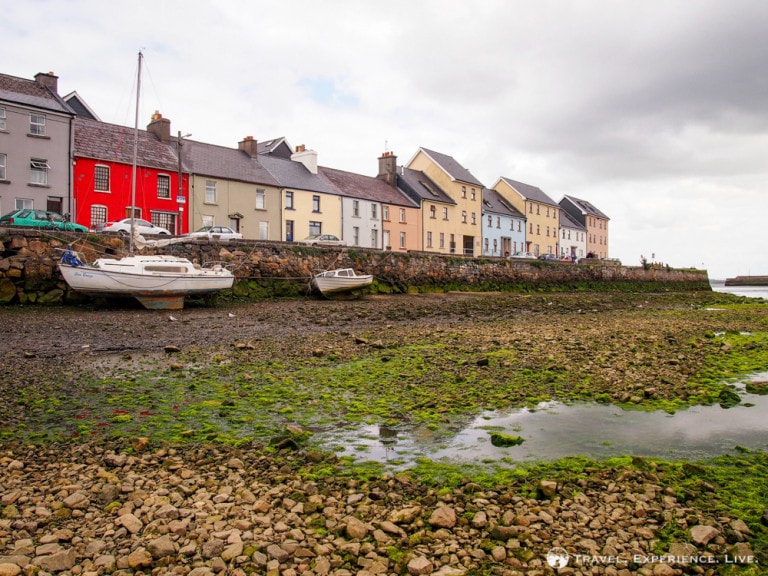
(554, 430)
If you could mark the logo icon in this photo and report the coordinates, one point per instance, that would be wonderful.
(557, 557)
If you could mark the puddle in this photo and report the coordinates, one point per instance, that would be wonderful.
(554, 430)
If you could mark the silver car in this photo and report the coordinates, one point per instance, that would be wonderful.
(323, 240)
(123, 227)
(223, 233)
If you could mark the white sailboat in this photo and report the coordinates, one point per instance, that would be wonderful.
(156, 281)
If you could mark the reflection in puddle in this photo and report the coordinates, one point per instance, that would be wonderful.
(554, 430)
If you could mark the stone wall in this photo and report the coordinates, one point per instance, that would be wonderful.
(28, 271)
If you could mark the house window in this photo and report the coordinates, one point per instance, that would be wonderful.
(495, 245)
(433, 211)
(538, 230)
(463, 191)
(402, 214)
(263, 230)
(374, 211)
(315, 228)
(385, 213)
(163, 186)
(98, 215)
(463, 216)
(210, 192)
(38, 171)
(402, 239)
(429, 239)
(472, 194)
(23, 204)
(355, 236)
(3, 164)
(445, 213)
(289, 200)
(530, 208)
(261, 202)
(530, 228)
(485, 240)
(356, 208)
(165, 220)
(538, 209)
(442, 240)
(490, 221)
(315, 203)
(498, 221)
(474, 218)
(2, 118)
(37, 124)
(207, 220)
(101, 178)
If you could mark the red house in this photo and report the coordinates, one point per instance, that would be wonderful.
(103, 174)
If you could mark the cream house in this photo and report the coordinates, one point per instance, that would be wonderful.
(541, 212)
(449, 227)
(230, 187)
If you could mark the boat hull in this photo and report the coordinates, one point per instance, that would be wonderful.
(333, 282)
(156, 282)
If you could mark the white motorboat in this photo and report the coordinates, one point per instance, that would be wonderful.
(340, 281)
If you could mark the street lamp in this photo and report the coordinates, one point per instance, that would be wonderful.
(180, 197)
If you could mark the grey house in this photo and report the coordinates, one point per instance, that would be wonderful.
(36, 136)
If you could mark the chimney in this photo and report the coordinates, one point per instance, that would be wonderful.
(249, 146)
(160, 127)
(50, 80)
(388, 168)
(306, 157)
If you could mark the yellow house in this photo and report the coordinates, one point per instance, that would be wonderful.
(454, 226)
(230, 187)
(541, 212)
(309, 204)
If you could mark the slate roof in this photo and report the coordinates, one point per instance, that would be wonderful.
(585, 206)
(419, 187)
(530, 192)
(452, 167)
(567, 221)
(364, 187)
(226, 163)
(495, 202)
(113, 143)
(31, 93)
(291, 174)
(79, 106)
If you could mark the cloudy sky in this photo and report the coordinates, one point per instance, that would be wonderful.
(656, 111)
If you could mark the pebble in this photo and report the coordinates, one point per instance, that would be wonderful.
(108, 508)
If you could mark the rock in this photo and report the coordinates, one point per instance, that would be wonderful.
(405, 515)
(547, 488)
(443, 517)
(57, 562)
(356, 529)
(77, 501)
(161, 547)
(420, 565)
(8, 569)
(131, 523)
(701, 534)
(139, 559)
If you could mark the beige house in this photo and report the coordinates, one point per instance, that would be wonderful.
(541, 212)
(452, 227)
(230, 187)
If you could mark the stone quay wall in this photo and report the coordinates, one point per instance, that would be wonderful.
(29, 272)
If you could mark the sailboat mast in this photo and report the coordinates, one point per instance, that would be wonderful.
(135, 156)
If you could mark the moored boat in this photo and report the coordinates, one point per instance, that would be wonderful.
(157, 282)
(340, 281)
(747, 281)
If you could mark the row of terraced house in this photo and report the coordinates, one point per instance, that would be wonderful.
(56, 154)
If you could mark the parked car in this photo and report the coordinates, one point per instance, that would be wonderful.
(224, 233)
(323, 240)
(551, 257)
(40, 219)
(123, 227)
(526, 255)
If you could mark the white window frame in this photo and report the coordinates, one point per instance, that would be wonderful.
(210, 194)
(261, 200)
(207, 220)
(2, 119)
(3, 166)
(37, 124)
(355, 208)
(24, 204)
(374, 211)
(263, 230)
(38, 171)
